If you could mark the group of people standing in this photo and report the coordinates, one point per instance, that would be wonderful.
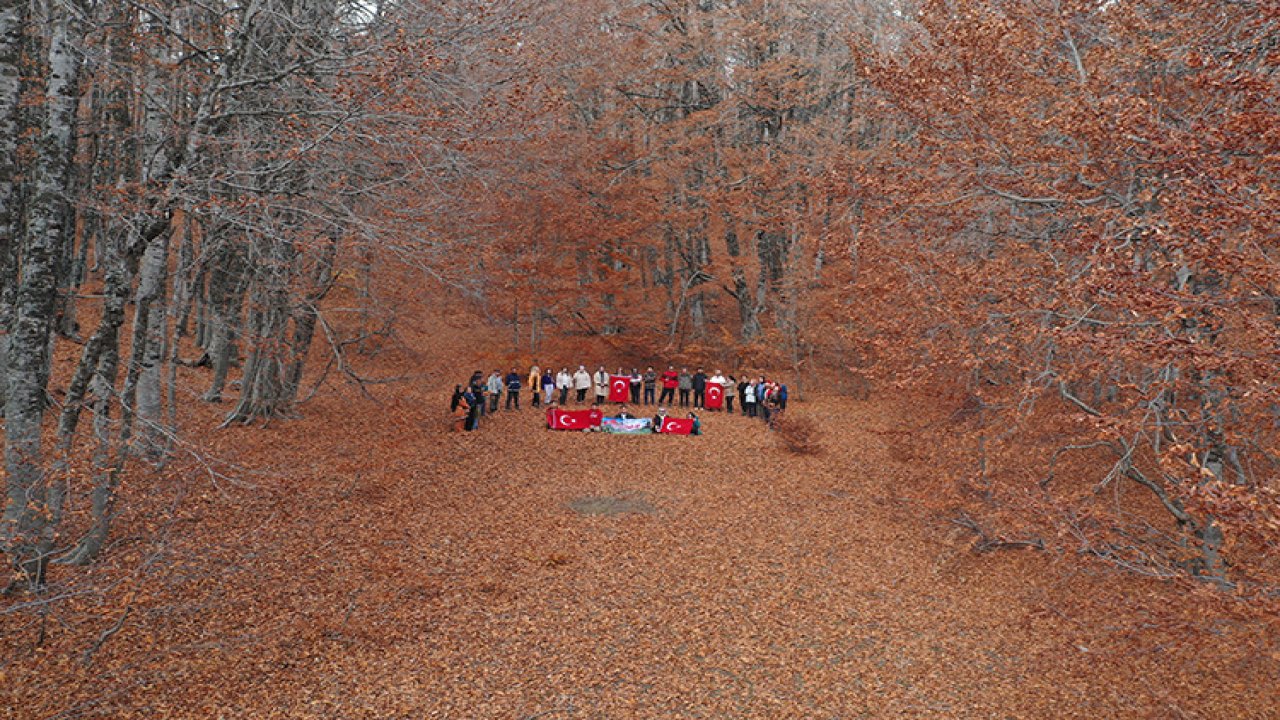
(757, 397)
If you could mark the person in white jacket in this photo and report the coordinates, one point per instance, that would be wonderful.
(717, 379)
(494, 386)
(582, 383)
(564, 381)
(601, 379)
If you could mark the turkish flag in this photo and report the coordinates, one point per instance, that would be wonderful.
(558, 419)
(677, 426)
(715, 396)
(619, 388)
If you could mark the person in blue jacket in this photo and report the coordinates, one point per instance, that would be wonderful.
(782, 397)
(475, 402)
(513, 388)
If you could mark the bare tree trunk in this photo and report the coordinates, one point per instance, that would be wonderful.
(106, 472)
(177, 317)
(13, 16)
(152, 290)
(304, 320)
(97, 368)
(226, 286)
(25, 518)
(264, 380)
(106, 475)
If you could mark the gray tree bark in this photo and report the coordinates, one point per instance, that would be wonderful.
(152, 292)
(25, 517)
(13, 16)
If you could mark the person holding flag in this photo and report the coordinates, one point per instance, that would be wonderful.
(619, 387)
(715, 392)
(676, 426)
(636, 381)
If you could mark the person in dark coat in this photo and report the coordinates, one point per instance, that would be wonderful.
(475, 402)
(513, 389)
(477, 389)
(699, 383)
(658, 419)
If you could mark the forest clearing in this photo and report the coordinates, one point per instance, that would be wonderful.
(384, 567)
(1005, 272)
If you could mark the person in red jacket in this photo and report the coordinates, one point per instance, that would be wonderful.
(670, 379)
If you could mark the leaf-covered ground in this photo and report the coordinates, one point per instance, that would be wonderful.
(374, 565)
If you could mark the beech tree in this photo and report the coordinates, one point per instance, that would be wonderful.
(206, 165)
(1078, 195)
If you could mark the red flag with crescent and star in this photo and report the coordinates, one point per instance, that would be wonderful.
(619, 388)
(677, 426)
(558, 419)
(715, 397)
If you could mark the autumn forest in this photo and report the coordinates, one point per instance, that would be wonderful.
(1018, 262)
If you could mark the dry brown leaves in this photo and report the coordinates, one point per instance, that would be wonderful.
(379, 567)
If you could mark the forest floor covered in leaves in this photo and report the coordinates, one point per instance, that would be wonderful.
(367, 563)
